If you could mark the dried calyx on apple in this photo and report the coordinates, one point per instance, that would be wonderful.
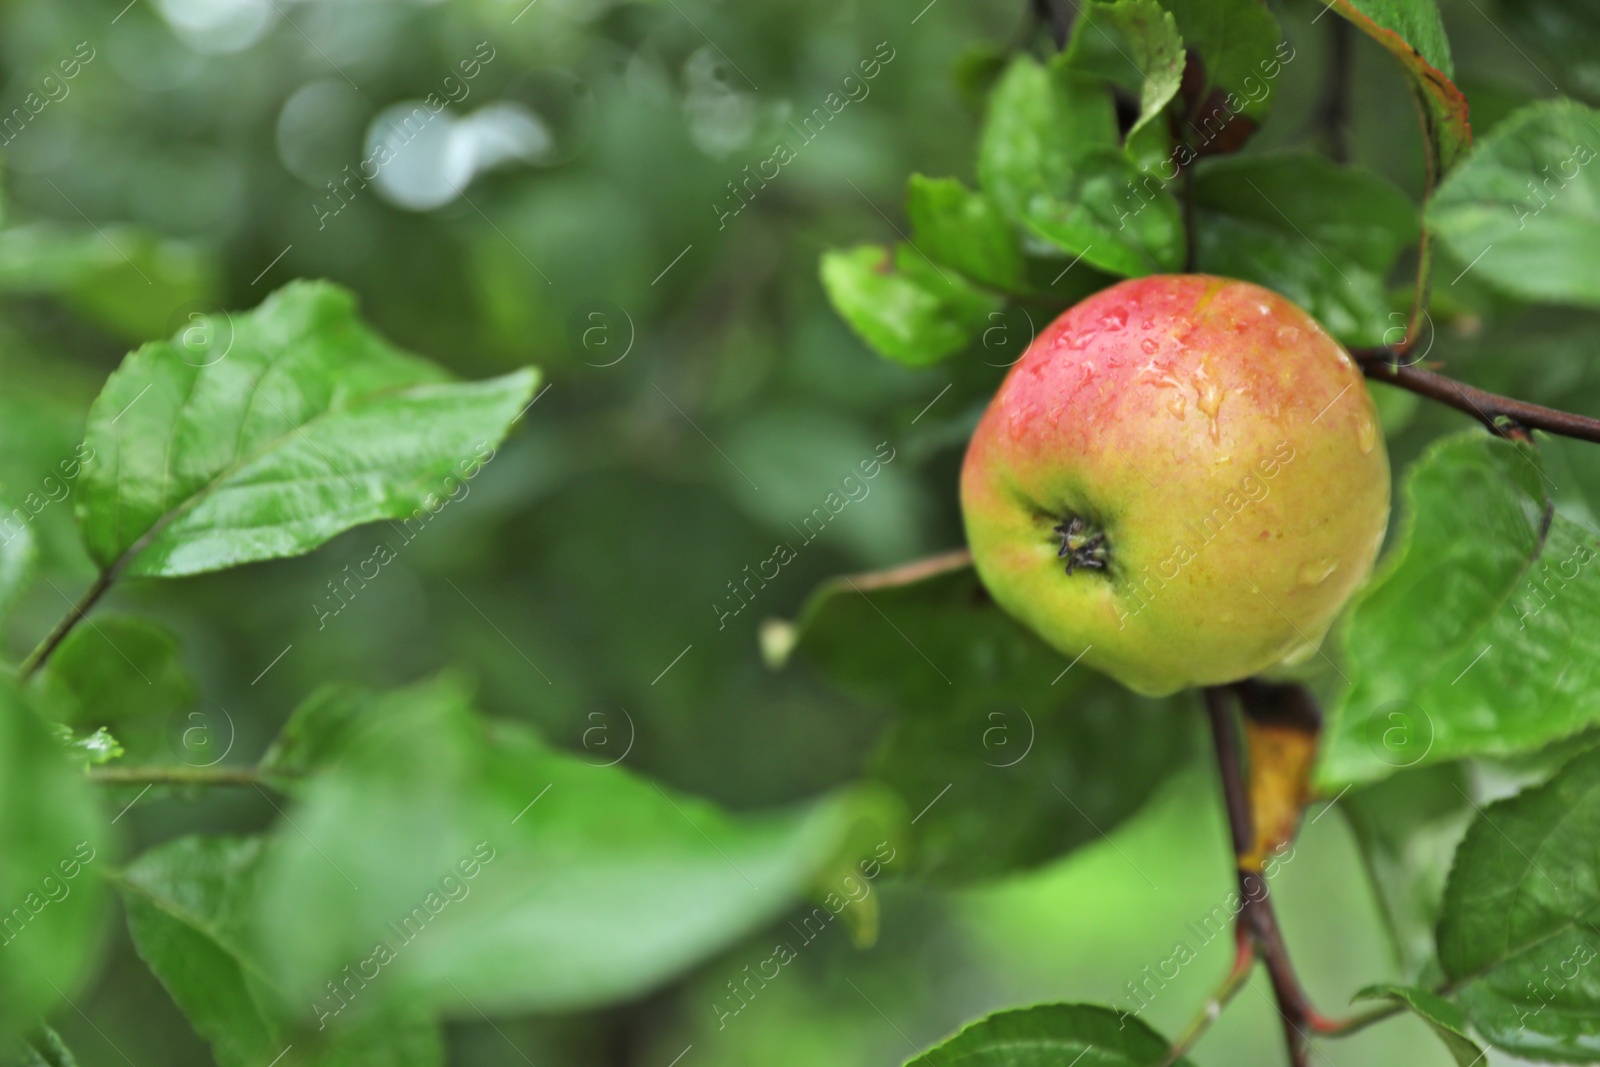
(1182, 482)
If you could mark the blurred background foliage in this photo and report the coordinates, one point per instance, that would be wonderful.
(571, 208)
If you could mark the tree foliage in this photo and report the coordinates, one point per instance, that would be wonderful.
(308, 758)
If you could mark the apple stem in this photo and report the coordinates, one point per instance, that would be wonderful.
(1257, 922)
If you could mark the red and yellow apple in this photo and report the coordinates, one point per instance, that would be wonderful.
(1181, 482)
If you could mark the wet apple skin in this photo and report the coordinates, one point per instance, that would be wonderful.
(1227, 448)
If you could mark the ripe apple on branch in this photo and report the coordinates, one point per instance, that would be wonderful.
(1182, 482)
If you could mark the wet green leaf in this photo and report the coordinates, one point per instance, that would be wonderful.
(465, 856)
(1138, 41)
(1052, 1035)
(1508, 656)
(1412, 31)
(1012, 755)
(1518, 933)
(1446, 1019)
(965, 231)
(904, 306)
(1523, 210)
(1241, 47)
(1051, 158)
(1323, 235)
(271, 431)
(190, 904)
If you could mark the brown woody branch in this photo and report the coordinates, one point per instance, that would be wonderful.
(1257, 921)
(1505, 416)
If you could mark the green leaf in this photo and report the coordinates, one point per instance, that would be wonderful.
(315, 732)
(1416, 22)
(1052, 1035)
(1518, 931)
(903, 305)
(1157, 49)
(1542, 1005)
(1446, 1019)
(1323, 235)
(1238, 41)
(1013, 758)
(965, 231)
(1524, 208)
(125, 279)
(46, 1049)
(1407, 828)
(1149, 44)
(118, 671)
(265, 436)
(469, 856)
(1049, 156)
(52, 837)
(1412, 31)
(189, 905)
(1508, 658)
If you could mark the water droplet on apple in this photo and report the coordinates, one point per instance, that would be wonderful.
(1300, 653)
(1147, 324)
(1366, 434)
(1208, 398)
(1149, 345)
(1317, 571)
(1115, 319)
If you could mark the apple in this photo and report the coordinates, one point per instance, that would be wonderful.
(1182, 482)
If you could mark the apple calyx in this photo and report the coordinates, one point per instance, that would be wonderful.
(1083, 544)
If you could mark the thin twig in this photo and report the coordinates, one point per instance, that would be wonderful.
(1333, 110)
(1190, 230)
(37, 657)
(80, 610)
(1244, 961)
(1355, 1023)
(1499, 413)
(178, 775)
